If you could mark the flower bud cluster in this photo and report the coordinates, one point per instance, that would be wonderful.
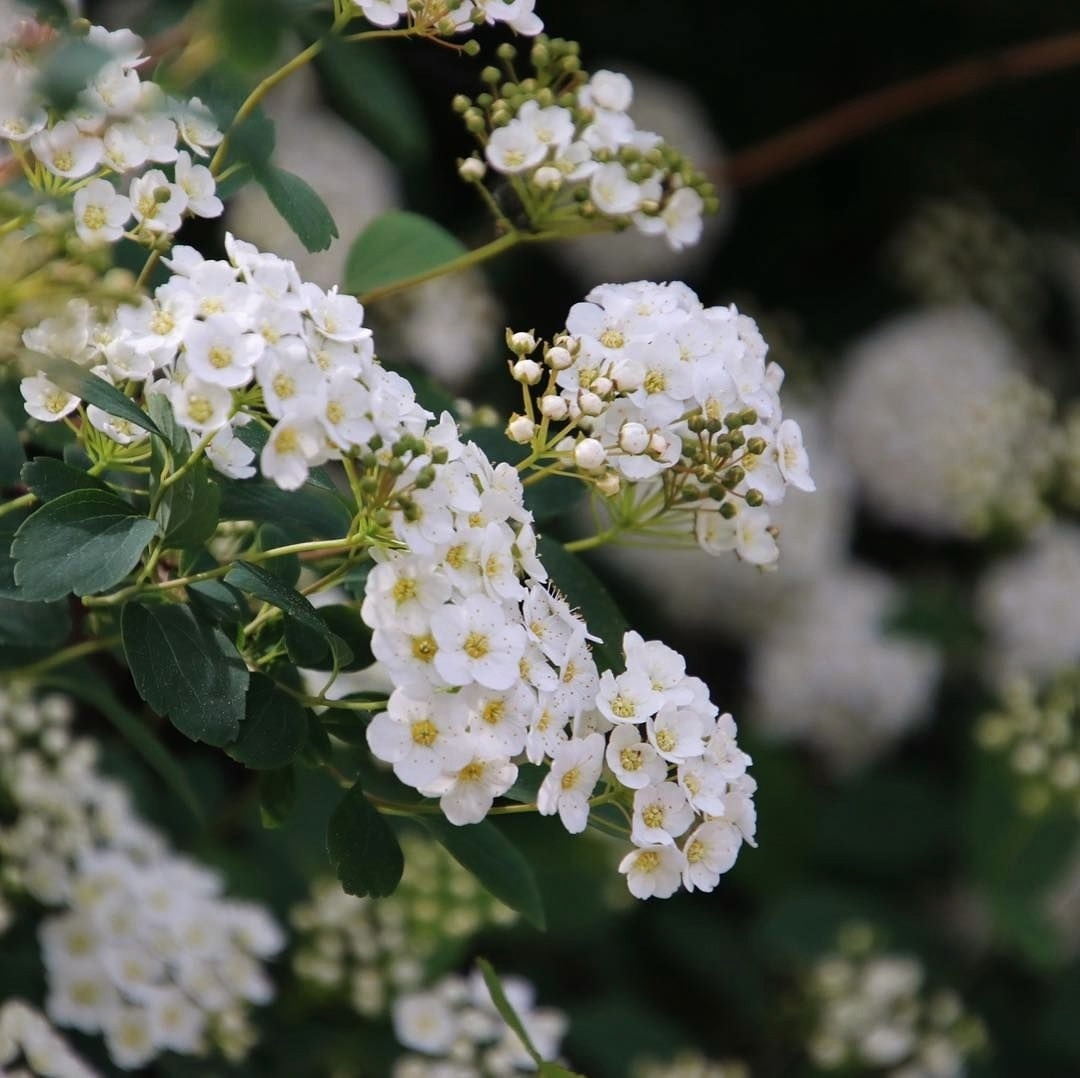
(371, 951)
(119, 126)
(567, 152)
(233, 342)
(457, 1032)
(26, 1035)
(873, 1014)
(945, 432)
(144, 948)
(449, 17)
(650, 388)
(1037, 733)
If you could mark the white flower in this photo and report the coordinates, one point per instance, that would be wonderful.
(198, 184)
(635, 763)
(680, 220)
(477, 641)
(567, 787)
(466, 795)
(613, 192)
(158, 204)
(45, 401)
(101, 212)
(422, 737)
(293, 448)
(661, 814)
(628, 697)
(219, 352)
(792, 457)
(425, 1022)
(200, 406)
(65, 151)
(515, 148)
(653, 872)
(710, 850)
(230, 456)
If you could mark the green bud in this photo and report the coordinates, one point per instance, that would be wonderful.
(506, 52)
(733, 477)
(697, 423)
(756, 446)
(439, 455)
(490, 75)
(727, 511)
(749, 417)
(460, 103)
(471, 47)
(754, 498)
(737, 439)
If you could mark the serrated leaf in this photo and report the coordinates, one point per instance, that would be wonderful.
(188, 513)
(48, 478)
(363, 848)
(264, 585)
(11, 452)
(186, 670)
(299, 205)
(308, 513)
(394, 247)
(494, 860)
(274, 729)
(83, 542)
(93, 691)
(277, 795)
(585, 592)
(92, 389)
(348, 642)
(506, 1009)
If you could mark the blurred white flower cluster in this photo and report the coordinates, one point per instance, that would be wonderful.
(945, 432)
(118, 125)
(874, 1014)
(1029, 603)
(145, 949)
(690, 1065)
(374, 950)
(566, 151)
(1037, 733)
(448, 17)
(672, 412)
(454, 1030)
(30, 1046)
(829, 674)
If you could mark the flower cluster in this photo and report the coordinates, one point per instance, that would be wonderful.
(944, 431)
(145, 950)
(231, 342)
(669, 409)
(455, 1026)
(690, 1065)
(873, 1014)
(375, 950)
(1029, 604)
(569, 156)
(449, 17)
(118, 126)
(26, 1034)
(828, 673)
(1038, 734)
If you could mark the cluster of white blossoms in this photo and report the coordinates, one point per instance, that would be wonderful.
(457, 1033)
(670, 410)
(565, 148)
(828, 672)
(1037, 731)
(1029, 603)
(874, 1014)
(448, 17)
(689, 1065)
(945, 433)
(371, 950)
(30, 1046)
(490, 668)
(119, 126)
(229, 342)
(145, 950)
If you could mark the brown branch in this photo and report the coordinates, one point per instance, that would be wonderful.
(874, 110)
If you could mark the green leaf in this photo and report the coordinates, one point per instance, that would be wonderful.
(363, 848)
(274, 729)
(395, 246)
(308, 513)
(186, 670)
(277, 795)
(265, 585)
(93, 691)
(251, 31)
(48, 478)
(11, 452)
(347, 724)
(506, 1009)
(83, 542)
(30, 632)
(300, 206)
(188, 513)
(92, 389)
(585, 593)
(67, 70)
(349, 641)
(372, 92)
(494, 860)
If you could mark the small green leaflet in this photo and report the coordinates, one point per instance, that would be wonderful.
(363, 848)
(186, 670)
(84, 542)
(92, 389)
(274, 730)
(300, 206)
(394, 247)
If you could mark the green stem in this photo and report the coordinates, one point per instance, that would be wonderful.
(591, 542)
(17, 503)
(67, 655)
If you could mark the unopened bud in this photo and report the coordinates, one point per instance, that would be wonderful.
(520, 429)
(633, 438)
(547, 178)
(554, 407)
(590, 403)
(756, 446)
(527, 371)
(521, 344)
(602, 386)
(472, 169)
(558, 358)
(589, 455)
(754, 498)
(658, 444)
(609, 485)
